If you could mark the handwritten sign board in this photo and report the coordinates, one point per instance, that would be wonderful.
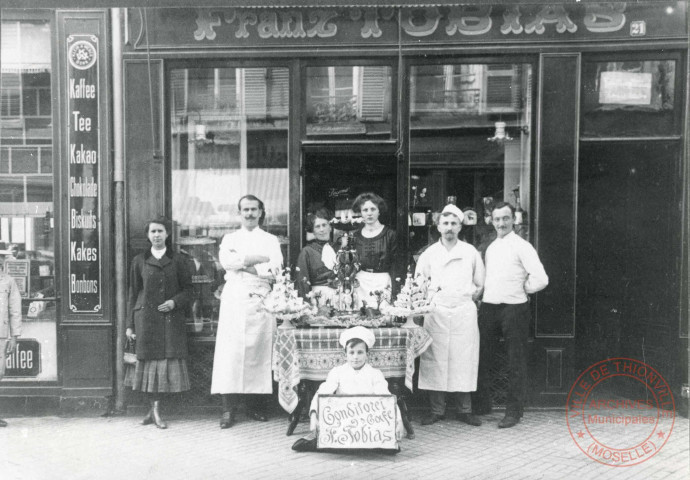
(356, 421)
(626, 88)
(84, 154)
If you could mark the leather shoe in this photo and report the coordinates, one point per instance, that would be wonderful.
(469, 419)
(508, 421)
(3, 423)
(148, 419)
(258, 416)
(227, 420)
(432, 418)
(304, 445)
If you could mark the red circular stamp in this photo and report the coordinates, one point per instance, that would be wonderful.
(620, 412)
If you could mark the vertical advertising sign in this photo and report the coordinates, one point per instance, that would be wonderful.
(84, 153)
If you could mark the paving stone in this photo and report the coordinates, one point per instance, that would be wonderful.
(194, 447)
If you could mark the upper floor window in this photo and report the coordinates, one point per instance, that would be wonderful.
(349, 102)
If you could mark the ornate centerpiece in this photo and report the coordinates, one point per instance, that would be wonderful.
(283, 301)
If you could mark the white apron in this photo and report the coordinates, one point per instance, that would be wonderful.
(450, 363)
(242, 359)
(369, 282)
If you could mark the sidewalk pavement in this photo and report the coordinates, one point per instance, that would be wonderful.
(194, 447)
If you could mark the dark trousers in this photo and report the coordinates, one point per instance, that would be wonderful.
(513, 322)
(437, 400)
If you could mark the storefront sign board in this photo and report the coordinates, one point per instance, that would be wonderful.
(25, 361)
(308, 27)
(85, 158)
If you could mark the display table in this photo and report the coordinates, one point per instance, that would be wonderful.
(310, 353)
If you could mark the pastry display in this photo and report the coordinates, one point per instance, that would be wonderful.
(283, 301)
(414, 298)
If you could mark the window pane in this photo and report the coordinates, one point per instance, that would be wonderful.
(352, 102)
(229, 131)
(629, 98)
(26, 185)
(470, 143)
(24, 160)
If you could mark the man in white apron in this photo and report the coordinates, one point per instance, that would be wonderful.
(242, 360)
(450, 364)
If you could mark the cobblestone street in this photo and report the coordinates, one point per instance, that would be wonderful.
(194, 447)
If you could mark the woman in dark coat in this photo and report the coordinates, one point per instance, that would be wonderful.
(160, 290)
(317, 259)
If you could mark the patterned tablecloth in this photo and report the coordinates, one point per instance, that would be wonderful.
(309, 354)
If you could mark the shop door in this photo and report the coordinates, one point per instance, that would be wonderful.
(334, 181)
(628, 246)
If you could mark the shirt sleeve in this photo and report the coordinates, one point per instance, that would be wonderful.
(479, 272)
(229, 257)
(275, 259)
(379, 383)
(536, 275)
(423, 266)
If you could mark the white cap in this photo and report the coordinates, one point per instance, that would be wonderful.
(450, 208)
(357, 332)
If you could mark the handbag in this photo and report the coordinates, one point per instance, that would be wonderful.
(130, 356)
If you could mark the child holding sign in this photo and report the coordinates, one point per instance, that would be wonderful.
(356, 377)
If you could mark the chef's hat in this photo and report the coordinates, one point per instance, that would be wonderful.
(357, 332)
(450, 208)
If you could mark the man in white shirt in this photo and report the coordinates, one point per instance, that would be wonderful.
(244, 341)
(513, 270)
(449, 365)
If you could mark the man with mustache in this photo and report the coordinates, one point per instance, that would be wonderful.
(242, 360)
(449, 365)
(513, 270)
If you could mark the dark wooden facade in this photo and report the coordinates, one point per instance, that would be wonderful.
(617, 288)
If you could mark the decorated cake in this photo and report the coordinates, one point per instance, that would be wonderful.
(283, 301)
(414, 298)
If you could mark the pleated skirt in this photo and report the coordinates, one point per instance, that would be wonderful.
(168, 375)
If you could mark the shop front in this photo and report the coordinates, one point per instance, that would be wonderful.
(574, 113)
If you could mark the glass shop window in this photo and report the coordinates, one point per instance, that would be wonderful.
(229, 134)
(471, 145)
(27, 240)
(348, 102)
(630, 98)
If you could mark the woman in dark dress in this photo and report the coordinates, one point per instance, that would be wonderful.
(377, 246)
(317, 259)
(160, 290)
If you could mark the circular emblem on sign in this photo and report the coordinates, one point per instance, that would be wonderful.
(82, 55)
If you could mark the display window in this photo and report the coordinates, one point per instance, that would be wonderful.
(471, 145)
(228, 138)
(630, 97)
(27, 241)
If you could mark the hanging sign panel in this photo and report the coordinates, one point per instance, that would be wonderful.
(84, 154)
